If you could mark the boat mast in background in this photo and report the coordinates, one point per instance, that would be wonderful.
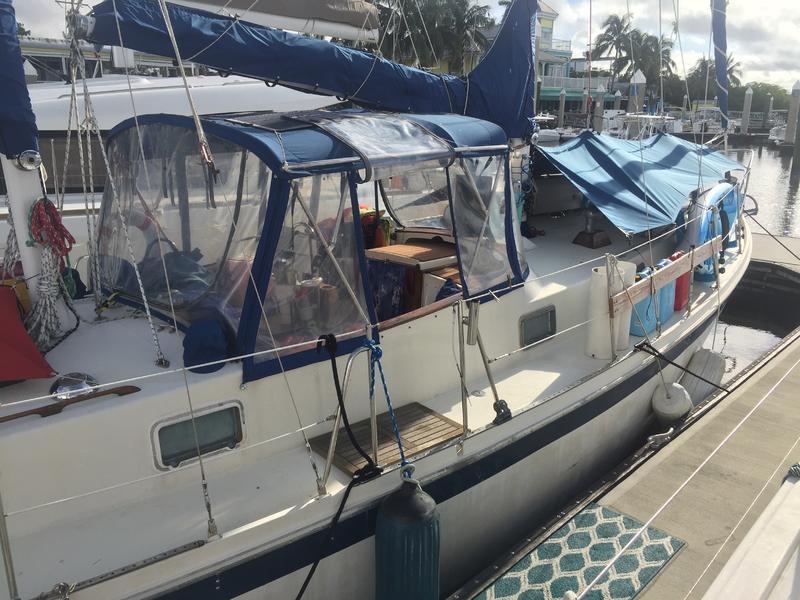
(355, 20)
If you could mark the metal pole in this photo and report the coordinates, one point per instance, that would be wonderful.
(489, 375)
(462, 367)
(5, 543)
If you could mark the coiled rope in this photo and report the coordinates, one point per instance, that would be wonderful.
(46, 230)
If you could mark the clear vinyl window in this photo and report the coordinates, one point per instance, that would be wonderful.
(479, 203)
(315, 287)
(194, 233)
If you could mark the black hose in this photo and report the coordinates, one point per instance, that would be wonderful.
(362, 475)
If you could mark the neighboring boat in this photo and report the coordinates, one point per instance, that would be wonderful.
(777, 135)
(271, 248)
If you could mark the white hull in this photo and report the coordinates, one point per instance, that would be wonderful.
(480, 521)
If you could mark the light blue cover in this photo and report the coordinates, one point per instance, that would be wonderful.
(617, 175)
(500, 89)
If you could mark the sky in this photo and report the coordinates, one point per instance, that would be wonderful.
(765, 42)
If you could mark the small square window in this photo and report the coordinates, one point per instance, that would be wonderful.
(537, 326)
(216, 430)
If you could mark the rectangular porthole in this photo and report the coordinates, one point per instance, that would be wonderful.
(537, 326)
(217, 430)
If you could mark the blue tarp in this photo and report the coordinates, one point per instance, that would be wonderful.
(617, 175)
(500, 89)
(17, 123)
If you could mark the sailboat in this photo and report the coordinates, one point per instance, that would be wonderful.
(294, 314)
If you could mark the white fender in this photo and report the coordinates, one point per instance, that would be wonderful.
(709, 365)
(671, 402)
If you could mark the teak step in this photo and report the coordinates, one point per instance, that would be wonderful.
(420, 430)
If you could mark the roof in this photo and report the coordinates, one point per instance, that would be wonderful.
(546, 9)
(286, 139)
(638, 185)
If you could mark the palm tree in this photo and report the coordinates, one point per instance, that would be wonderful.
(464, 32)
(614, 40)
(733, 67)
(429, 31)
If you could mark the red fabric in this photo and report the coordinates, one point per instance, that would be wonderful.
(19, 356)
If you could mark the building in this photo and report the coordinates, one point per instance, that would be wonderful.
(47, 59)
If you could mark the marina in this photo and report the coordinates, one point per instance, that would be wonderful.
(360, 300)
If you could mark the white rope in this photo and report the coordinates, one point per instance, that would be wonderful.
(683, 485)
(43, 321)
(11, 255)
(161, 360)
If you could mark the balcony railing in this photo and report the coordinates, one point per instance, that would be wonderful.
(554, 44)
(573, 83)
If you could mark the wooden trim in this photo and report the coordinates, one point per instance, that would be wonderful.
(642, 289)
(423, 311)
(55, 408)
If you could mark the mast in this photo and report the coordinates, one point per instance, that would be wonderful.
(720, 37)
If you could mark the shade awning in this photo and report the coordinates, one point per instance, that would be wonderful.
(638, 185)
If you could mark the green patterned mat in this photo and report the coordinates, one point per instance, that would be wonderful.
(574, 555)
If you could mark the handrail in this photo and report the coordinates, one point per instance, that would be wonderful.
(348, 370)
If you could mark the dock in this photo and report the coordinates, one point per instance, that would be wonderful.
(694, 498)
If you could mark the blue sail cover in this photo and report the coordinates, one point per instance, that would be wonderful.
(615, 175)
(17, 123)
(500, 89)
(720, 55)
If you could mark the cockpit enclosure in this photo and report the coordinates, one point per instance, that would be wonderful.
(304, 224)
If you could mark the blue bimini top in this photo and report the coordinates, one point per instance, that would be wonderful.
(299, 144)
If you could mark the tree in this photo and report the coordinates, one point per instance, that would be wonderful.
(705, 68)
(22, 31)
(613, 41)
(452, 26)
(634, 50)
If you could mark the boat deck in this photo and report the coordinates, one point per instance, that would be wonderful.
(712, 509)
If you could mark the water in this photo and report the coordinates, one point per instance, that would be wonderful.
(774, 188)
(740, 345)
(753, 323)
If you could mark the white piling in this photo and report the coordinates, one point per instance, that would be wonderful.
(617, 100)
(748, 103)
(562, 103)
(600, 98)
(791, 119)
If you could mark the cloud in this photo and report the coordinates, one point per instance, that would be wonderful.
(766, 48)
(44, 18)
